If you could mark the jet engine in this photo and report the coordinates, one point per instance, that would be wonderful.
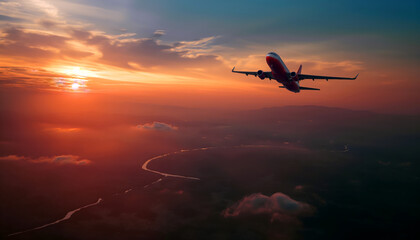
(293, 77)
(261, 74)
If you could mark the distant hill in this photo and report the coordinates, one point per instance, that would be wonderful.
(319, 114)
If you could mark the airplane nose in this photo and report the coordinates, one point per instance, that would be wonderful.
(269, 58)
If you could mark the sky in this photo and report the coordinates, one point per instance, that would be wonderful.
(180, 53)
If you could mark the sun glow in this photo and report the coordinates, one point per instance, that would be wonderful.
(77, 72)
(75, 86)
(76, 79)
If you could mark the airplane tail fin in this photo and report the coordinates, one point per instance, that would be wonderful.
(300, 69)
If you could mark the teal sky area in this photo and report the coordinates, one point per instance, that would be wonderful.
(388, 28)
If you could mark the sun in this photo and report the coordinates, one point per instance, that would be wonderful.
(75, 78)
(75, 86)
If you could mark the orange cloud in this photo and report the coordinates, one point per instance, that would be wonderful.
(67, 43)
(12, 158)
(64, 130)
(148, 54)
(61, 159)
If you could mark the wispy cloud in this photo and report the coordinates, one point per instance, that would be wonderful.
(75, 44)
(48, 8)
(53, 34)
(63, 130)
(159, 126)
(29, 10)
(60, 159)
(198, 47)
(12, 158)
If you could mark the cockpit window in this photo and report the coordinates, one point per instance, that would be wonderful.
(273, 53)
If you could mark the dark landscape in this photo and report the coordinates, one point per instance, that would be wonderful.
(349, 174)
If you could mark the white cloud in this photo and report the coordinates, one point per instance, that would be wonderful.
(29, 9)
(198, 47)
(48, 8)
(279, 207)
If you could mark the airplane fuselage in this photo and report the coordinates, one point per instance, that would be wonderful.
(281, 73)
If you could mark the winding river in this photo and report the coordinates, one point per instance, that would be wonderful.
(66, 217)
(146, 168)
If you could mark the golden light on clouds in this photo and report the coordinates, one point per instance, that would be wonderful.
(77, 78)
(63, 129)
(77, 72)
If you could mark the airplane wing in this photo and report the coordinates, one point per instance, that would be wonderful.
(303, 88)
(308, 88)
(313, 77)
(267, 74)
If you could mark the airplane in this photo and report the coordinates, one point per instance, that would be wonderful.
(281, 74)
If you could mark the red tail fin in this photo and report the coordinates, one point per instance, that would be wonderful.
(299, 70)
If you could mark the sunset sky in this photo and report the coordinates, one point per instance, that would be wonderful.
(181, 52)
